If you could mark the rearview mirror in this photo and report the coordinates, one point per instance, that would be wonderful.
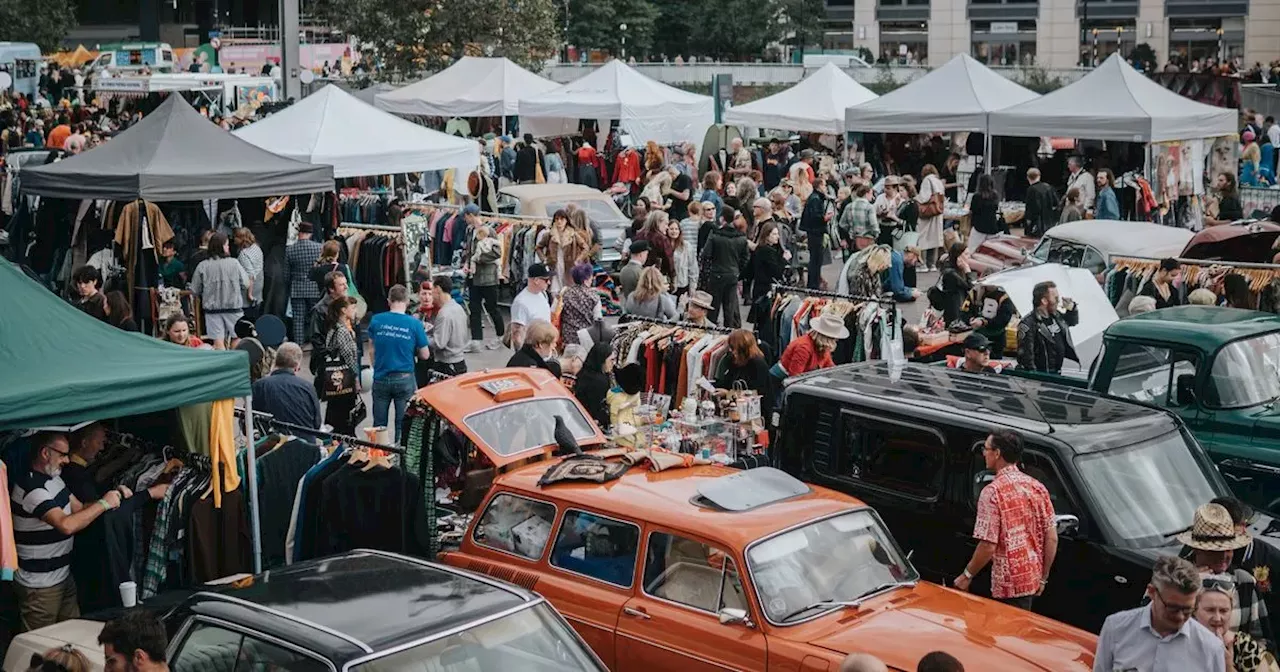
(732, 616)
(980, 481)
(1066, 524)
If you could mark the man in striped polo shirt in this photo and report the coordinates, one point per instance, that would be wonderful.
(45, 516)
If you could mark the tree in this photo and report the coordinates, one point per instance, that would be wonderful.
(409, 36)
(594, 24)
(44, 22)
(803, 20)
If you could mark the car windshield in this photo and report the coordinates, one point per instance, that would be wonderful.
(837, 559)
(1146, 491)
(601, 212)
(1246, 373)
(518, 426)
(532, 639)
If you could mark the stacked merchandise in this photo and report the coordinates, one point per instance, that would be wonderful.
(792, 308)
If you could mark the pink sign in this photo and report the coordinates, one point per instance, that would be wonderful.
(312, 56)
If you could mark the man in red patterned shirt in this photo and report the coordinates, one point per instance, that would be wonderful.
(1014, 529)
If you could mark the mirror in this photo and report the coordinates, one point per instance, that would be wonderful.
(1186, 387)
(732, 616)
(980, 481)
(1067, 524)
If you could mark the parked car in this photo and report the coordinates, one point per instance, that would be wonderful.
(543, 200)
(711, 568)
(1216, 368)
(1123, 476)
(362, 610)
(1088, 243)
(1247, 241)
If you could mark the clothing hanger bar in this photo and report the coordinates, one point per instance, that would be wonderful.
(833, 295)
(676, 323)
(299, 429)
(370, 227)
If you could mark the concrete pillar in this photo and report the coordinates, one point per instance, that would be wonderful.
(289, 60)
(948, 30)
(866, 30)
(1057, 34)
(1153, 28)
(1262, 33)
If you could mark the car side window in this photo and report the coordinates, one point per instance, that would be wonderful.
(1040, 467)
(1093, 260)
(515, 525)
(260, 656)
(208, 648)
(597, 547)
(691, 573)
(1154, 374)
(891, 455)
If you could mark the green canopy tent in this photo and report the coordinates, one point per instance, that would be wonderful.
(59, 366)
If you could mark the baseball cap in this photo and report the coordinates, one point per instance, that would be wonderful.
(539, 271)
(976, 341)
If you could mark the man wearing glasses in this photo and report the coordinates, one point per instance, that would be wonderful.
(1161, 636)
(45, 516)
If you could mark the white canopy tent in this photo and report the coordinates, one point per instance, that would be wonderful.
(472, 87)
(958, 96)
(645, 108)
(367, 94)
(1115, 102)
(816, 104)
(331, 127)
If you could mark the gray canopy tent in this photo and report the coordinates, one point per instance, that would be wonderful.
(175, 154)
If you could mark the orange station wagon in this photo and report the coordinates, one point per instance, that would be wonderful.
(710, 568)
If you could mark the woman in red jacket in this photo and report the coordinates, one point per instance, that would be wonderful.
(813, 350)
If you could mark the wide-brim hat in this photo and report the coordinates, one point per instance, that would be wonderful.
(1213, 530)
(700, 299)
(830, 326)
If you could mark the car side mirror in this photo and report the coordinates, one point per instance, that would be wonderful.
(1066, 524)
(980, 481)
(1186, 389)
(732, 616)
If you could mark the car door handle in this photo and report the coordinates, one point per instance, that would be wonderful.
(638, 613)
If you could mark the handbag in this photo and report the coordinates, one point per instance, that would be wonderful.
(933, 207)
(336, 378)
(358, 412)
(362, 306)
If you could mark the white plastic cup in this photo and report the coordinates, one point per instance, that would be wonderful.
(129, 594)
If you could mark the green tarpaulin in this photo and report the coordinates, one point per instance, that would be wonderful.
(59, 366)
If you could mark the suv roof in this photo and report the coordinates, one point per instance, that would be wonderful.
(672, 498)
(1207, 327)
(362, 601)
(1032, 406)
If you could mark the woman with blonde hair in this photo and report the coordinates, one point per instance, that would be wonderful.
(812, 351)
(66, 658)
(651, 298)
(539, 346)
(1251, 172)
(249, 254)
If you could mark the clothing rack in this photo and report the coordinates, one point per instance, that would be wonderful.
(309, 432)
(778, 287)
(484, 216)
(675, 323)
(369, 227)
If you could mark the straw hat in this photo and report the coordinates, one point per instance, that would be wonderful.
(1213, 530)
(701, 299)
(830, 326)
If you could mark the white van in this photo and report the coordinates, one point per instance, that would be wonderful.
(131, 57)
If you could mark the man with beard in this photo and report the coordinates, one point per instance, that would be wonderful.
(45, 516)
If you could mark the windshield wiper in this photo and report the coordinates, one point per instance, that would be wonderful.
(847, 603)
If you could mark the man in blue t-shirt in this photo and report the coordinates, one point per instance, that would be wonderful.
(397, 337)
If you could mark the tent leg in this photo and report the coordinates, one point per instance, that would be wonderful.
(255, 517)
(986, 151)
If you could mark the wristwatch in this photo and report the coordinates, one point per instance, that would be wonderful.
(967, 575)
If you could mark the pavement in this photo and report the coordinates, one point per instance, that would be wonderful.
(497, 358)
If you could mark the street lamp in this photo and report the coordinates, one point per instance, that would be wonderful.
(623, 27)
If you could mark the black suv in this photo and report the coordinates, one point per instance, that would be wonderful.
(1123, 476)
(362, 610)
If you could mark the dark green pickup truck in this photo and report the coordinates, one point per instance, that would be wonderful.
(1219, 369)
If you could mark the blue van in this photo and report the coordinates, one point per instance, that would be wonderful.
(21, 60)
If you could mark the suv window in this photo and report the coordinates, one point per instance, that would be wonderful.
(691, 573)
(516, 525)
(1151, 374)
(1034, 464)
(892, 455)
(211, 648)
(597, 547)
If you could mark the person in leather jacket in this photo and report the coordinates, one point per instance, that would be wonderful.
(1044, 335)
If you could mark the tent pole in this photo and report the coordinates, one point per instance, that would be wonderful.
(255, 517)
(986, 151)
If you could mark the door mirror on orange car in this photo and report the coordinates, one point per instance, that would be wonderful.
(732, 616)
(1067, 524)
